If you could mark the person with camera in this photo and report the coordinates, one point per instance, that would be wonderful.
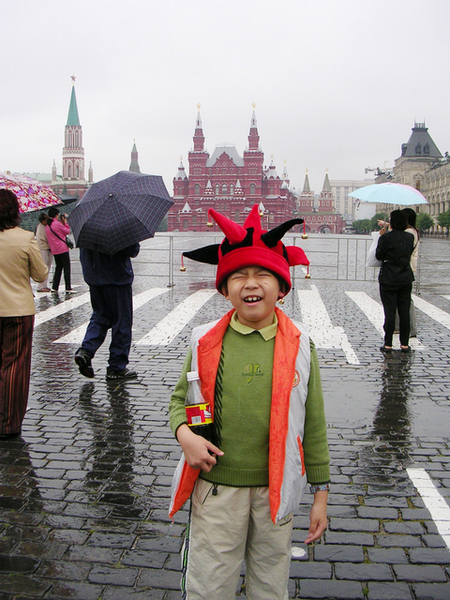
(57, 230)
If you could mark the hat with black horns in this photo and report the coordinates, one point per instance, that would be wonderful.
(250, 245)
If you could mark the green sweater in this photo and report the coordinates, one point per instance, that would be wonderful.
(242, 410)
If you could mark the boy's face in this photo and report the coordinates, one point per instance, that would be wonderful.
(253, 291)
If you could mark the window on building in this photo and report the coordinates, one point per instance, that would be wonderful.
(197, 189)
(224, 188)
(252, 189)
(417, 184)
(231, 189)
(217, 188)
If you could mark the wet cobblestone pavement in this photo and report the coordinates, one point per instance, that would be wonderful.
(84, 491)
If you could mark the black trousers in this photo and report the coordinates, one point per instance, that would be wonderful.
(393, 299)
(113, 309)
(62, 262)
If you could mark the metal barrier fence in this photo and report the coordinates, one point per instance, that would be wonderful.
(332, 257)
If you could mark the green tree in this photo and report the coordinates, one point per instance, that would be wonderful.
(443, 220)
(374, 220)
(424, 221)
(362, 226)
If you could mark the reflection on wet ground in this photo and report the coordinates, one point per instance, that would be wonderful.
(392, 419)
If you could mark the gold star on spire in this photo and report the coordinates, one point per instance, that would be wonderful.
(72, 77)
(254, 105)
(198, 107)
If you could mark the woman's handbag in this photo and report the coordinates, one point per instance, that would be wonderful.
(67, 241)
(412, 321)
(371, 258)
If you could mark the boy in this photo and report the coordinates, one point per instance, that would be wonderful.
(259, 374)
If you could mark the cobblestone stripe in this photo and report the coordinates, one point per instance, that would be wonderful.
(432, 311)
(374, 312)
(438, 507)
(60, 309)
(76, 335)
(169, 327)
(316, 318)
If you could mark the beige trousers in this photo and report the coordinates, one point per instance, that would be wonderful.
(224, 530)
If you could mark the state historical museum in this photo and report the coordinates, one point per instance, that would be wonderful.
(229, 183)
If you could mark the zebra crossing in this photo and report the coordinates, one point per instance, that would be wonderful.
(326, 334)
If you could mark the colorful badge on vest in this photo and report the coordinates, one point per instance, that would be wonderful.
(250, 245)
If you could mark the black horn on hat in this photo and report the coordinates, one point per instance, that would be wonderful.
(273, 236)
(206, 254)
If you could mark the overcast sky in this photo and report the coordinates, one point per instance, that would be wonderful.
(338, 84)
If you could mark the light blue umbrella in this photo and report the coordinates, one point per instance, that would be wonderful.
(389, 193)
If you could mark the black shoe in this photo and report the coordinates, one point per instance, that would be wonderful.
(406, 349)
(384, 349)
(122, 374)
(83, 360)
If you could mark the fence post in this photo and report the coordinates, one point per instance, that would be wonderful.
(171, 283)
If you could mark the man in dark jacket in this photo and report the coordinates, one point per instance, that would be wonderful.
(109, 279)
(395, 279)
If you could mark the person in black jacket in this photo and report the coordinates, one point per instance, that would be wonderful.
(395, 279)
(109, 279)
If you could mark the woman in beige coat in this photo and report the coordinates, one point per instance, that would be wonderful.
(20, 259)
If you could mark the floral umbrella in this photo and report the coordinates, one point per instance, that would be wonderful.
(31, 194)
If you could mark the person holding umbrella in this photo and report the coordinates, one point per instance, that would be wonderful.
(108, 223)
(20, 260)
(395, 278)
(109, 279)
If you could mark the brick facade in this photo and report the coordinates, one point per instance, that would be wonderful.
(229, 183)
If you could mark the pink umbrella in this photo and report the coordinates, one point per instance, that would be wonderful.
(31, 194)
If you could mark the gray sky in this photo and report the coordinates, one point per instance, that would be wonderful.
(337, 84)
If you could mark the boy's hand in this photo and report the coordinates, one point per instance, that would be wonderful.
(317, 517)
(199, 453)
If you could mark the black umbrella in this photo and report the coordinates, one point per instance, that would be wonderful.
(119, 211)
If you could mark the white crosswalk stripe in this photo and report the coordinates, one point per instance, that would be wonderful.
(167, 329)
(313, 314)
(76, 336)
(374, 312)
(432, 311)
(60, 309)
(323, 332)
(435, 503)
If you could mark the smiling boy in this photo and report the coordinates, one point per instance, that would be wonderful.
(259, 375)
